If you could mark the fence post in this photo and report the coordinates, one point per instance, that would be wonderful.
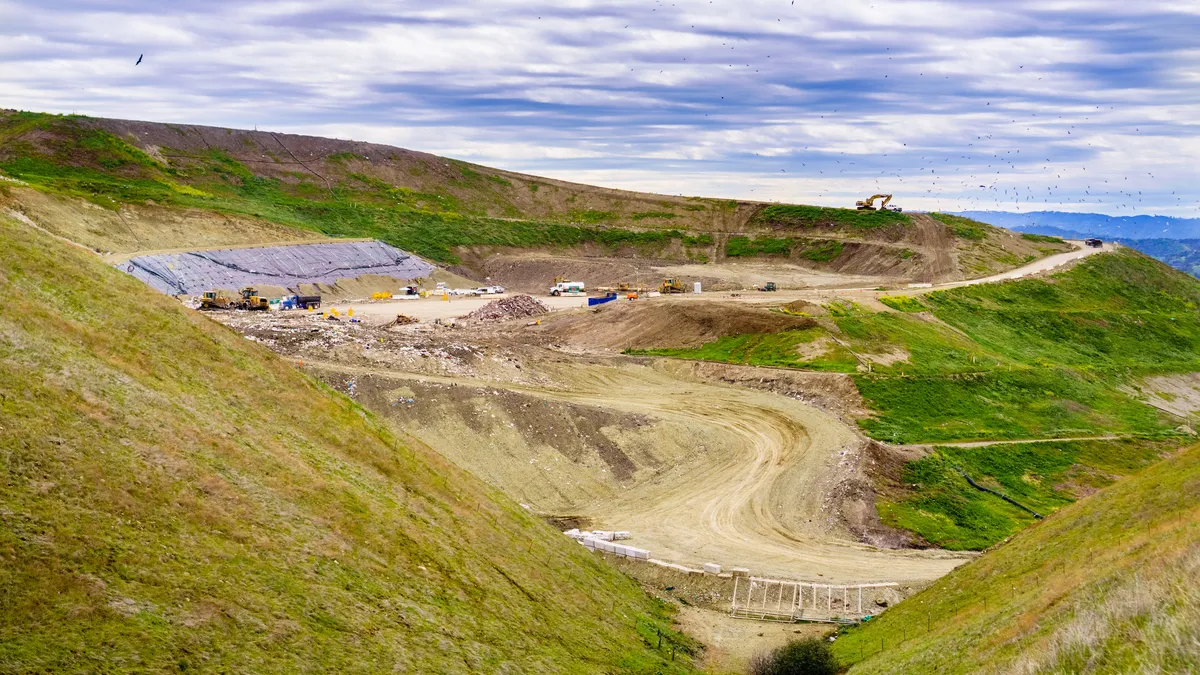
(733, 610)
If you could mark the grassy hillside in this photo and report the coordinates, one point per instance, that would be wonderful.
(931, 498)
(1106, 585)
(177, 498)
(1038, 358)
(437, 207)
(1033, 359)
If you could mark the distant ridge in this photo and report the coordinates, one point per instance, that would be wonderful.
(1062, 223)
(1175, 241)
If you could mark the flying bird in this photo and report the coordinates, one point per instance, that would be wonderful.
(139, 61)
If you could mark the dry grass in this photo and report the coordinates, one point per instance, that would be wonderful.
(1106, 585)
(175, 497)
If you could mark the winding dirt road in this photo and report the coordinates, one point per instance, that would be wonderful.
(758, 502)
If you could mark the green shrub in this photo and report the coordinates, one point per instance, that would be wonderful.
(963, 228)
(825, 250)
(810, 656)
(743, 247)
(821, 216)
(903, 303)
(1041, 238)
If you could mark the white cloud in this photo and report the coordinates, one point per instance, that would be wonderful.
(758, 99)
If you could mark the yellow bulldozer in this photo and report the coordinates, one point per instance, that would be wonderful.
(671, 286)
(216, 300)
(253, 301)
(249, 299)
(868, 204)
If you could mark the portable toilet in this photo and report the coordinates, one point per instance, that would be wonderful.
(696, 287)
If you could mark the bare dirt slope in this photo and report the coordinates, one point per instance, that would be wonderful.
(757, 493)
(619, 325)
(531, 271)
(938, 246)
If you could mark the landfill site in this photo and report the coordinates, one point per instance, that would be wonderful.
(726, 481)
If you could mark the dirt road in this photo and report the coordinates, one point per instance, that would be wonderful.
(759, 501)
(429, 309)
(823, 294)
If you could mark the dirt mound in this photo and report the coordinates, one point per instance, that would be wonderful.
(653, 325)
(516, 307)
(803, 307)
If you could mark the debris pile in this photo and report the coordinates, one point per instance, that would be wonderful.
(516, 307)
(400, 320)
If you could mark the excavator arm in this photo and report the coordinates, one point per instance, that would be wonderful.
(869, 203)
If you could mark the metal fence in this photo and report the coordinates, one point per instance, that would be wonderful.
(772, 599)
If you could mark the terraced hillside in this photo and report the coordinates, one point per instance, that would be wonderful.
(110, 184)
(1104, 586)
(1102, 351)
(175, 497)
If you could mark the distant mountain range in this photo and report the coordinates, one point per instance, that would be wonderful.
(1092, 224)
(1175, 241)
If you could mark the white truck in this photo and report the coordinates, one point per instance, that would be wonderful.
(567, 288)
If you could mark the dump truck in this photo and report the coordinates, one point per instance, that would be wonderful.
(671, 286)
(307, 301)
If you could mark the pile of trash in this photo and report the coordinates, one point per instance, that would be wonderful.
(516, 307)
(400, 320)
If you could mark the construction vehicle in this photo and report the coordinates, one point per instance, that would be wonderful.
(868, 204)
(307, 301)
(671, 286)
(769, 286)
(251, 300)
(566, 287)
(216, 300)
(624, 287)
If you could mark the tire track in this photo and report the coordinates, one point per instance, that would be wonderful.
(755, 503)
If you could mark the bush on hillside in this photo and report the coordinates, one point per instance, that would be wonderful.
(810, 656)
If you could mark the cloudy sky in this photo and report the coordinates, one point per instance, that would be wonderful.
(1013, 105)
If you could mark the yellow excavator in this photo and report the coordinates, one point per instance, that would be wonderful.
(868, 204)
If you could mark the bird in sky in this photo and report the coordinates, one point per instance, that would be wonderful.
(139, 61)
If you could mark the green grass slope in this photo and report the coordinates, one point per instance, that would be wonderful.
(1053, 358)
(440, 208)
(1106, 585)
(1037, 358)
(174, 497)
(934, 501)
